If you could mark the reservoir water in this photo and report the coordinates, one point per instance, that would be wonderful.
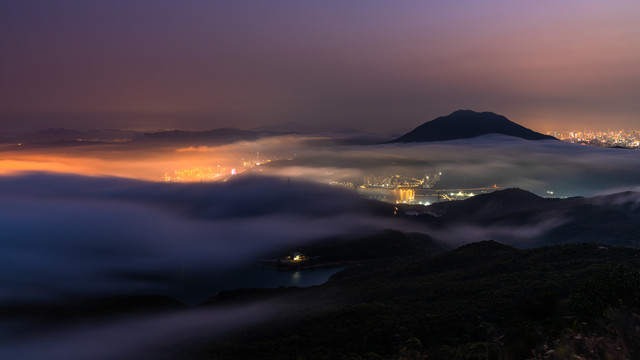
(194, 290)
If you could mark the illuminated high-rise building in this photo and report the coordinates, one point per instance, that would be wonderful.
(405, 194)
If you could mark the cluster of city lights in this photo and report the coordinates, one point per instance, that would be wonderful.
(217, 173)
(399, 181)
(204, 174)
(620, 138)
(394, 188)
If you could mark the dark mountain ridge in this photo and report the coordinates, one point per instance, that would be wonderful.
(482, 300)
(465, 124)
(608, 219)
(495, 204)
(221, 135)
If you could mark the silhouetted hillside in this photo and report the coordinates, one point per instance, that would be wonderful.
(464, 124)
(384, 244)
(611, 219)
(492, 205)
(483, 300)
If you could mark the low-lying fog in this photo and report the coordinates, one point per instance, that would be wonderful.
(538, 166)
(97, 220)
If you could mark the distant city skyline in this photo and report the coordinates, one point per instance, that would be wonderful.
(373, 65)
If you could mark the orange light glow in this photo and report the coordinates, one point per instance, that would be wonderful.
(137, 164)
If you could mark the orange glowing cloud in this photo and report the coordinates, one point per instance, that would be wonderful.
(142, 164)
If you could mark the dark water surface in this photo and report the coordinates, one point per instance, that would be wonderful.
(195, 290)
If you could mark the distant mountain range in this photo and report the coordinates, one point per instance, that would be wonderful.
(465, 124)
(300, 128)
(61, 137)
(462, 124)
(215, 136)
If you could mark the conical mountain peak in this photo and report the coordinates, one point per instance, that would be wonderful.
(465, 124)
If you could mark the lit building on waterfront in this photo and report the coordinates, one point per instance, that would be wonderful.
(405, 194)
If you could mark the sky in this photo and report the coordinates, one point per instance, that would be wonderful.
(375, 65)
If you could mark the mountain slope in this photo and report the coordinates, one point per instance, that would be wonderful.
(464, 124)
(520, 218)
(483, 300)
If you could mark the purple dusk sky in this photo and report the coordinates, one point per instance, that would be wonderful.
(368, 64)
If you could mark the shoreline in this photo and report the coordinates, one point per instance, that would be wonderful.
(274, 264)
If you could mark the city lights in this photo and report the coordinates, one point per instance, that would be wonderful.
(217, 173)
(619, 138)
